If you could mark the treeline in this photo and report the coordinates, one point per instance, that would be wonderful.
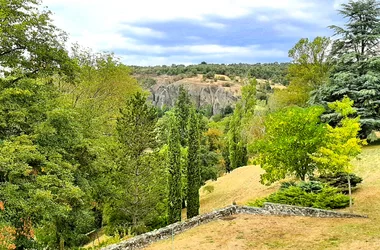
(275, 72)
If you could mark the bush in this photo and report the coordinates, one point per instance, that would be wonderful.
(307, 194)
(209, 189)
(339, 180)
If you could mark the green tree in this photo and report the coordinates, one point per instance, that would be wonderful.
(182, 106)
(30, 44)
(174, 166)
(341, 144)
(237, 137)
(357, 65)
(138, 172)
(309, 70)
(310, 66)
(193, 166)
(291, 136)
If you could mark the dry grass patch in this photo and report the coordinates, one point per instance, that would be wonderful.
(241, 185)
(273, 232)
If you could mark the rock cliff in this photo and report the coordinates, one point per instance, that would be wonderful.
(215, 95)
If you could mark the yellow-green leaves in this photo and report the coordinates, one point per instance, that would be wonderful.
(342, 143)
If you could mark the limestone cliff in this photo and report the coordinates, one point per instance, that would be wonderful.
(217, 95)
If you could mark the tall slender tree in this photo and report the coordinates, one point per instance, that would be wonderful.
(174, 166)
(137, 172)
(183, 106)
(193, 166)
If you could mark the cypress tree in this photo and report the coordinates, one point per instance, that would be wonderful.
(182, 111)
(174, 161)
(193, 166)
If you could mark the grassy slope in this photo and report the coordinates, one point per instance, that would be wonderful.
(260, 232)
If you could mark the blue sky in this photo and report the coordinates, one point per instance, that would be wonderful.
(151, 32)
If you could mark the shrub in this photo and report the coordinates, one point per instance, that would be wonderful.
(339, 180)
(209, 189)
(307, 194)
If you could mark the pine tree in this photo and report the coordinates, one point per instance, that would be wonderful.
(193, 167)
(137, 173)
(174, 166)
(356, 73)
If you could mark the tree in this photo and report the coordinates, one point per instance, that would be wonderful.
(341, 143)
(310, 66)
(358, 41)
(291, 136)
(174, 167)
(357, 65)
(193, 166)
(30, 44)
(138, 169)
(182, 106)
(102, 85)
(237, 137)
(309, 69)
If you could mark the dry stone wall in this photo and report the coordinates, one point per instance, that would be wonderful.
(268, 209)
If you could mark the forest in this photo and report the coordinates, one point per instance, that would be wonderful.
(82, 149)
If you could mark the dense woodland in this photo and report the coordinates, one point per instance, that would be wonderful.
(81, 148)
(275, 72)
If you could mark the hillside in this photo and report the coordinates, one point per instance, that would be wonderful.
(260, 232)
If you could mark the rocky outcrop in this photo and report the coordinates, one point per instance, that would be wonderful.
(204, 95)
(268, 209)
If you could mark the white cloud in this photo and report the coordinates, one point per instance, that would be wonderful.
(109, 25)
(214, 25)
(338, 3)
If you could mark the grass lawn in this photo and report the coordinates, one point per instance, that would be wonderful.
(273, 232)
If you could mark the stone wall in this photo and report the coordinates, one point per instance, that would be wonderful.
(268, 209)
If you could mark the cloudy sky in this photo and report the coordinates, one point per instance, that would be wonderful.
(152, 32)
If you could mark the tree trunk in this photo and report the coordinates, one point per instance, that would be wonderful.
(349, 191)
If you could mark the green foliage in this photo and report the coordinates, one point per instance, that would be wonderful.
(193, 166)
(27, 32)
(356, 65)
(341, 142)
(268, 71)
(310, 65)
(243, 113)
(292, 134)
(182, 109)
(209, 189)
(339, 180)
(140, 178)
(309, 70)
(307, 194)
(174, 166)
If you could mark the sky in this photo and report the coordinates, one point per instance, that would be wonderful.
(165, 32)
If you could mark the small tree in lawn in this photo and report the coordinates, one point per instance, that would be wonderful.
(291, 136)
(341, 144)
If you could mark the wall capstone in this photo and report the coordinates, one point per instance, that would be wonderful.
(146, 239)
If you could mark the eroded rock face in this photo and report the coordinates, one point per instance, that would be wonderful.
(208, 94)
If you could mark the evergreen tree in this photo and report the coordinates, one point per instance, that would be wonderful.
(193, 166)
(174, 166)
(183, 111)
(138, 172)
(357, 70)
(243, 113)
